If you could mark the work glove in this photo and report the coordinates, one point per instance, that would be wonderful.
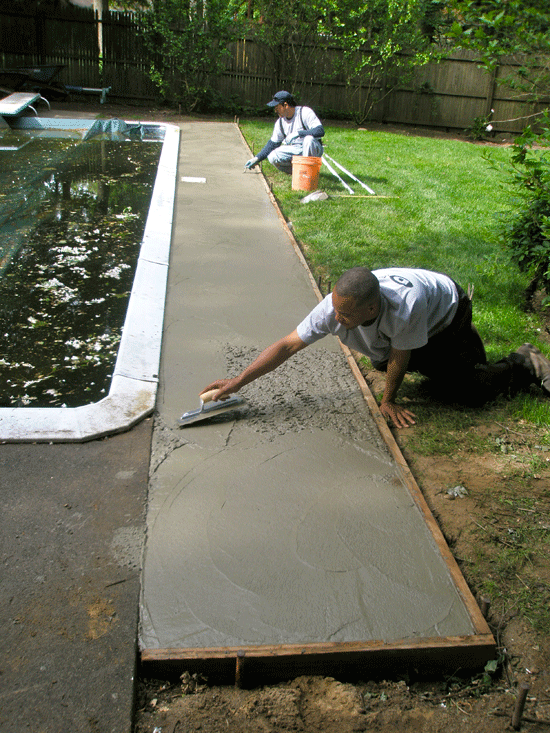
(251, 163)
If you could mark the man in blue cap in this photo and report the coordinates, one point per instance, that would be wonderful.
(298, 131)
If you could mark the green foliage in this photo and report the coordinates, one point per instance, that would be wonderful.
(383, 41)
(187, 42)
(289, 32)
(480, 127)
(496, 29)
(504, 29)
(526, 228)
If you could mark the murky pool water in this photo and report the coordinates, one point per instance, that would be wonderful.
(72, 216)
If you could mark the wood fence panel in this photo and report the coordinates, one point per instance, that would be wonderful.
(68, 37)
(452, 93)
(74, 42)
(248, 73)
(511, 108)
(125, 59)
(17, 38)
(454, 77)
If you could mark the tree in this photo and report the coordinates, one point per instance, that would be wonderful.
(187, 40)
(289, 33)
(382, 41)
(519, 30)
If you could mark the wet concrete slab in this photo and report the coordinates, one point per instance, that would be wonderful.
(289, 521)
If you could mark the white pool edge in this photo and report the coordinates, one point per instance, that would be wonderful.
(134, 383)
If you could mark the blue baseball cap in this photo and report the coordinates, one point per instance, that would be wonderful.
(279, 98)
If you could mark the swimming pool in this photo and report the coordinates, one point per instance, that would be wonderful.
(134, 381)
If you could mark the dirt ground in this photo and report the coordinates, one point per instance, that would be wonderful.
(505, 487)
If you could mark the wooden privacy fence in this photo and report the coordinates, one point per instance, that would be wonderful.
(449, 94)
(71, 37)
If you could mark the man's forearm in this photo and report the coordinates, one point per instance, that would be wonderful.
(395, 373)
(267, 148)
(270, 359)
(400, 416)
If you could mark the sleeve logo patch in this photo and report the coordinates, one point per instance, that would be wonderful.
(401, 281)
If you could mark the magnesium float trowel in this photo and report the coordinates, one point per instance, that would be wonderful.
(209, 408)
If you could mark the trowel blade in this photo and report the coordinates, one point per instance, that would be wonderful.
(210, 409)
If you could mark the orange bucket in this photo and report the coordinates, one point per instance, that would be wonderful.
(305, 172)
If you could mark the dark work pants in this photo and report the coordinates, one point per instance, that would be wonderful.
(455, 350)
(455, 361)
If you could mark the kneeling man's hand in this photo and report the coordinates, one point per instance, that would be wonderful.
(399, 416)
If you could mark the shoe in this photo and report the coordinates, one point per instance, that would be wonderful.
(507, 377)
(491, 380)
(540, 365)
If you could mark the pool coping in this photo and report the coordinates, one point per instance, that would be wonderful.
(134, 384)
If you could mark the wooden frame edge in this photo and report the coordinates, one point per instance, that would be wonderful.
(329, 649)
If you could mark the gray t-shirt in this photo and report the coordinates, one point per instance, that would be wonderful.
(286, 131)
(415, 305)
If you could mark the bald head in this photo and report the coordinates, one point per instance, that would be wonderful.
(360, 284)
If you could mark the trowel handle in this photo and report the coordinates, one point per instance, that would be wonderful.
(207, 396)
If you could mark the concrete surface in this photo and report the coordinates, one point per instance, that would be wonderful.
(71, 536)
(287, 522)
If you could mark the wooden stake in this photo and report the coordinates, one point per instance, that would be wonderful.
(239, 669)
(520, 704)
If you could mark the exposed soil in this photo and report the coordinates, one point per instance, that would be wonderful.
(505, 488)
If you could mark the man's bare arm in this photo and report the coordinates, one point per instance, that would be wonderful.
(266, 362)
(395, 373)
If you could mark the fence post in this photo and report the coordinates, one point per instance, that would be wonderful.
(39, 47)
(491, 91)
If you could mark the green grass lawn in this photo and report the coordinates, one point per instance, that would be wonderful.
(440, 211)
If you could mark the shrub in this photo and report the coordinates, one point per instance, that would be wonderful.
(526, 231)
(187, 43)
